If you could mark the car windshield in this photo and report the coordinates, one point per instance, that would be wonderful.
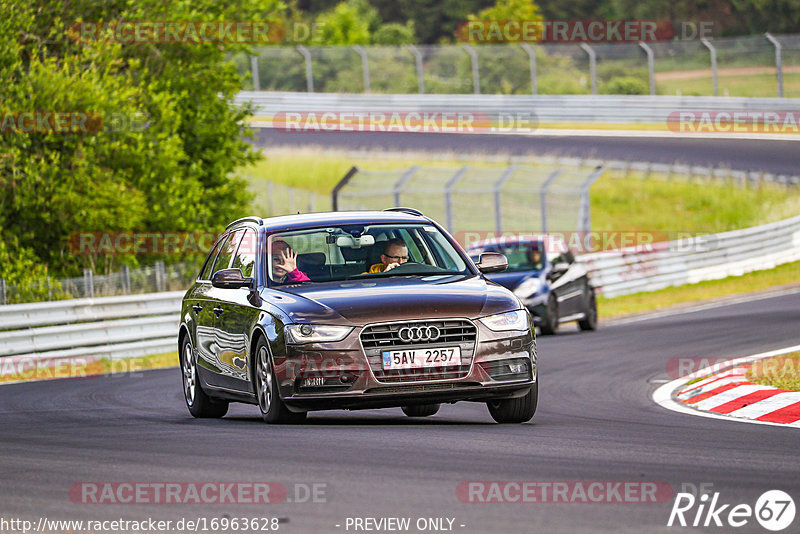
(360, 252)
(520, 256)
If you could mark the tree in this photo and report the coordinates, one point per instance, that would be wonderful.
(169, 140)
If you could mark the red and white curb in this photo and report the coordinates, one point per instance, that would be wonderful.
(730, 396)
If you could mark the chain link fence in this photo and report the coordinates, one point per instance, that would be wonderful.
(126, 281)
(752, 66)
(473, 199)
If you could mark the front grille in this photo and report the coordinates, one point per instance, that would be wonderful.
(499, 369)
(452, 332)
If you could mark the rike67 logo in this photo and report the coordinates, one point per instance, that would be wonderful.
(774, 510)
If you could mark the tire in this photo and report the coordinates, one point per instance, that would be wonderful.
(549, 324)
(590, 321)
(199, 403)
(421, 410)
(518, 410)
(272, 408)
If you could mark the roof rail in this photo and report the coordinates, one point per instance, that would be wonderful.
(410, 211)
(246, 219)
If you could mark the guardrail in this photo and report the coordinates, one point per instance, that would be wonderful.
(42, 334)
(696, 259)
(508, 110)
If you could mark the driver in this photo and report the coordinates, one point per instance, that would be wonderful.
(284, 264)
(395, 252)
(535, 257)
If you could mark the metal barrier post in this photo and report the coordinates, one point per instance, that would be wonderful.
(713, 52)
(398, 186)
(420, 69)
(476, 77)
(88, 283)
(343, 182)
(584, 215)
(309, 72)
(778, 62)
(592, 65)
(498, 185)
(532, 60)
(448, 196)
(542, 197)
(3, 298)
(126, 279)
(254, 73)
(364, 66)
(651, 66)
(160, 276)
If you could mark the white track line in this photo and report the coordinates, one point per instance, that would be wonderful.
(663, 396)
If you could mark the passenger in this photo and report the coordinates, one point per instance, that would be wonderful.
(395, 252)
(284, 264)
(535, 258)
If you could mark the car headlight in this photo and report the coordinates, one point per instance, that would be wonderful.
(515, 320)
(308, 333)
(528, 287)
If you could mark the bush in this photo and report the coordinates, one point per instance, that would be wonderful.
(625, 85)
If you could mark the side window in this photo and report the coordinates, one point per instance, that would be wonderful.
(205, 273)
(245, 257)
(226, 252)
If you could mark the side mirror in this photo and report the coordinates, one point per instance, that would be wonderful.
(492, 262)
(231, 279)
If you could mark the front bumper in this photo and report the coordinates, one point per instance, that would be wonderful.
(338, 375)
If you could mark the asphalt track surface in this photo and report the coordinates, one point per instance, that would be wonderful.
(779, 157)
(596, 421)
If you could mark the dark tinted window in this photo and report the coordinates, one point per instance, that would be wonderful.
(205, 273)
(245, 257)
(227, 251)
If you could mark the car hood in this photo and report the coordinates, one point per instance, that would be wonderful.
(397, 298)
(513, 279)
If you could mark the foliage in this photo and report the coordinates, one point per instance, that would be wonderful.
(170, 140)
(625, 85)
(395, 34)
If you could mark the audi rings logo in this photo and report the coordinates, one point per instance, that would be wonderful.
(410, 334)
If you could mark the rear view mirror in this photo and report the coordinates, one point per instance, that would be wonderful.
(492, 262)
(349, 241)
(231, 279)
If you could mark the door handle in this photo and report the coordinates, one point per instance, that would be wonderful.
(197, 308)
(218, 311)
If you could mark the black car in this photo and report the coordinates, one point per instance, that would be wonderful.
(543, 273)
(353, 310)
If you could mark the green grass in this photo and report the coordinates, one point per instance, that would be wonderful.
(788, 273)
(617, 204)
(634, 204)
(781, 372)
(752, 85)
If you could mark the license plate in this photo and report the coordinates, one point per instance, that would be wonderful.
(421, 358)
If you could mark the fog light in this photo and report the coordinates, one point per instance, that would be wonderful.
(518, 367)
